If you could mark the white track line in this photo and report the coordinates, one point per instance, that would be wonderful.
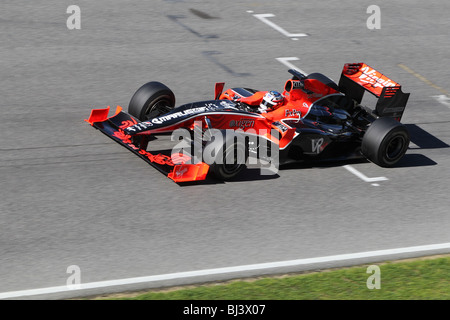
(285, 61)
(362, 176)
(444, 99)
(226, 270)
(263, 17)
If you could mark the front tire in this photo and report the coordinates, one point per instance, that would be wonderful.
(151, 100)
(230, 158)
(385, 142)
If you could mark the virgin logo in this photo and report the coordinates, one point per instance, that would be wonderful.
(371, 76)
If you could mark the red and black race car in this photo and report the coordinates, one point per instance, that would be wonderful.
(313, 119)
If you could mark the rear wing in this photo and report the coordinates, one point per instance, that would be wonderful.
(356, 78)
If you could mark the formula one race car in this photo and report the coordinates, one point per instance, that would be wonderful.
(313, 119)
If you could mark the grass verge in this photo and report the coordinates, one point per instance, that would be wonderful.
(419, 279)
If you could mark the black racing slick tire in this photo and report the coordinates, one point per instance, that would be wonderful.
(151, 100)
(230, 156)
(385, 142)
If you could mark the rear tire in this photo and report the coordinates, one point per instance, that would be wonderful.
(385, 142)
(151, 100)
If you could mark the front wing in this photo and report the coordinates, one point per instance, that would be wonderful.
(172, 166)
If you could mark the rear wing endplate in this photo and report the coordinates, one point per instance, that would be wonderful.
(356, 78)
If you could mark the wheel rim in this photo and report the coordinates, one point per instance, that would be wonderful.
(231, 168)
(395, 148)
(236, 165)
(157, 109)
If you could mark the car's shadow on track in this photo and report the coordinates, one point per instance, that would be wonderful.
(420, 139)
(249, 174)
(321, 164)
(408, 160)
(254, 174)
(415, 160)
(423, 139)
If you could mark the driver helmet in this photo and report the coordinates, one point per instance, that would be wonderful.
(271, 101)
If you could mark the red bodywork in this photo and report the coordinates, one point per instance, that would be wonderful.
(299, 95)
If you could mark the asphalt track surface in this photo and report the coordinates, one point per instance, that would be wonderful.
(71, 196)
